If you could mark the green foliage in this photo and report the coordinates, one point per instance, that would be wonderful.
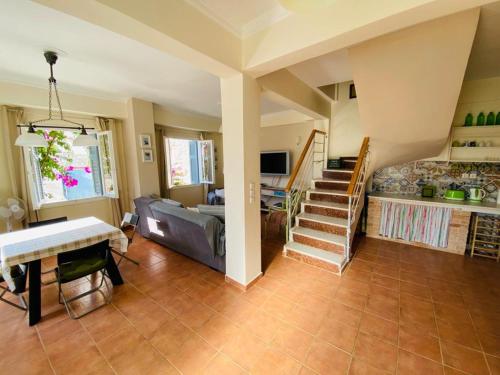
(53, 158)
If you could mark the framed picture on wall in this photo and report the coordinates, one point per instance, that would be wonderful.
(145, 140)
(147, 156)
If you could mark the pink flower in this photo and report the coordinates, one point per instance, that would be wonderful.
(69, 168)
(88, 170)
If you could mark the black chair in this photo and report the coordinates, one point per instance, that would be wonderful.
(128, 227)
(47, 222)
(36, 224)
(19, 275)
(76, 264)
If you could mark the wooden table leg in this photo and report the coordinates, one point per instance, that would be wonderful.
(35, 291)
(112, 270)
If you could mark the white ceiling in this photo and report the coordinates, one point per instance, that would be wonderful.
(324, 70)
(242, 17)
(97, 62)
(484, 60)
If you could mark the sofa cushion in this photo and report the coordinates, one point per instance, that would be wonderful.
(217, 211)
(172, 202)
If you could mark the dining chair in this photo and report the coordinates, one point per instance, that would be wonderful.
(76, 264)
(41, 223)
(19, 275)
(128, 227)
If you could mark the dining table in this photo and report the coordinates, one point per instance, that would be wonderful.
(30, 246)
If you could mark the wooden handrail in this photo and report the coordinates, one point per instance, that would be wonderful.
(301, 158)
(357, 167)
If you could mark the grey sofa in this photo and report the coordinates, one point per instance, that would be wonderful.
(195, 235)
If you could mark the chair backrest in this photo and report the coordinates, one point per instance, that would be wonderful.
(130, 219)
(47, 222)
(100, 248)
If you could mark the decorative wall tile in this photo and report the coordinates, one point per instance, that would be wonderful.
(409, 178)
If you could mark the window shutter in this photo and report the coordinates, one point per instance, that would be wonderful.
(107, 164)
(206, 162)
(34, 177)
(95, 166)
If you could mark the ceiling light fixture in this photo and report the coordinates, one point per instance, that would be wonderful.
(32, 139)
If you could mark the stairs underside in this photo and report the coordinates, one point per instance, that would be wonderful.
(320, 233)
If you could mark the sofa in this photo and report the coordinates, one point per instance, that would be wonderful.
(196, 235)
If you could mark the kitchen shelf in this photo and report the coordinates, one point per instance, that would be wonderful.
(478, 154)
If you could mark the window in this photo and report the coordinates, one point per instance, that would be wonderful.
(189, 162)
(61, 172)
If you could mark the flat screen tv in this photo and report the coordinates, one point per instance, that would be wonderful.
(275, 163)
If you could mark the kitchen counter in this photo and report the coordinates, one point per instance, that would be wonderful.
(469, 206)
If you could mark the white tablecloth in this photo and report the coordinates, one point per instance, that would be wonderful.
(41, 242)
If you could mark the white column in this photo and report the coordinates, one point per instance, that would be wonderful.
(241, 126)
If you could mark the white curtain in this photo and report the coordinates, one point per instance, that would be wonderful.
(160, 134)
(15, 178)
(121, 204)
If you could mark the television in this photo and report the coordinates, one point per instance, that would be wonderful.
(275, 163)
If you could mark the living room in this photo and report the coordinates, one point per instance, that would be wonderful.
(204, 187)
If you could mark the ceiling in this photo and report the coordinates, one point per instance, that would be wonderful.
(484, 60)
(97, 62)
(243, 17)
(324, 70)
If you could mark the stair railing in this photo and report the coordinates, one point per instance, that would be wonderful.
(310, 164)
(355, 192)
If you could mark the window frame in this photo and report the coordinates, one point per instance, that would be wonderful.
(33, 181)
(198, 152)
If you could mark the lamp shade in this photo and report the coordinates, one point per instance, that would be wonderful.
(31, 140)
(85, 140)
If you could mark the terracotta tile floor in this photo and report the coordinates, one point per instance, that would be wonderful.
(397, 309)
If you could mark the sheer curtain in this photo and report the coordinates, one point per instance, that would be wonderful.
(14, 156)
(121, 204)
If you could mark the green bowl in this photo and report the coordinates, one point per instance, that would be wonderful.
(455, 195)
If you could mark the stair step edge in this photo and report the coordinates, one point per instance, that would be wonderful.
(319, 235)
(326, 256)
(329, 220)
(328, 192)
(327, 204)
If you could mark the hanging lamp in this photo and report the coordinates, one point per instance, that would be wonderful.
(32, 139)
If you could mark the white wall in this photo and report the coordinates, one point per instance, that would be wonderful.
(346, 133)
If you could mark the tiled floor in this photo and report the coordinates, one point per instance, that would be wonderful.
(397, 309)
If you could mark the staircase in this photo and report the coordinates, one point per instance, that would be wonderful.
(322, 232)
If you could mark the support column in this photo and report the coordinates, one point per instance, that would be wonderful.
(241, 127)
(142, 176)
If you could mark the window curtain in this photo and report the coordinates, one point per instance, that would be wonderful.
(121, 204)
(206, 187)
(160, 134)
(14, 157)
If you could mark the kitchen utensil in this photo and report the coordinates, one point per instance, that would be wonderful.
(454, 195)
(476, 194)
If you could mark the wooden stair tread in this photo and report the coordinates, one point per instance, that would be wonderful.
(328, 191)
(319, 235)
(331, 180)
(323, 219)
(327, 204)
(340, 170)
(313, 252)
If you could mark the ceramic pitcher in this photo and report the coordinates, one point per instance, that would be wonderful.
(476, 194)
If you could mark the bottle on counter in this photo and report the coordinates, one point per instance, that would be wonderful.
(497, 121)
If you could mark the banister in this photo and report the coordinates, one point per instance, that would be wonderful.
(359, 163)
(296, 169)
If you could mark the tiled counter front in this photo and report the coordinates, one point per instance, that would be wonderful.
(457, 238)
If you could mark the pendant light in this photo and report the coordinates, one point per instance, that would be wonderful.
(31, 139)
